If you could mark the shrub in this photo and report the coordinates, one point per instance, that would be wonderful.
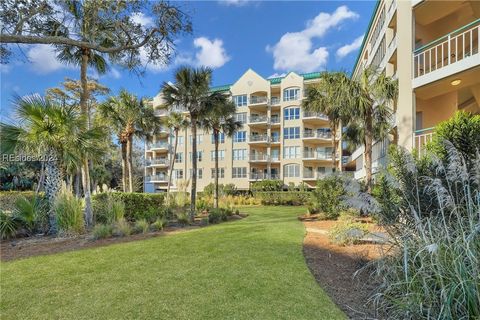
(267, 185)
(122, 228)
(183, 218)
(69, 212)
(109, 210)
(159, 224)
(202, 204)
(8, 199)
(9, 225)
(217, 215)
(347, 232)
(461, 132)
(433, 269)
(102, 231)
(137, 205)
(141, 226)
(291, 198)
(223, 190)
(31, 213)
(327, 197)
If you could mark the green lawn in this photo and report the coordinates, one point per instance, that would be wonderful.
(248, 269)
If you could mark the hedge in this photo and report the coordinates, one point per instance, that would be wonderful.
(137, 205)
(290, 198)
(9, 198)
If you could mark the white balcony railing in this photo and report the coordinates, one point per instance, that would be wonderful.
(259, 157)
(312, 175)
(157, 178)
(274, 101)
(449, 49)
(275, 138)
(259, 138)
(422, 138)
(312, 114)
(275, 119)
(258, 100)
(158, 145)
(317, 135)
(308, 155)
(161, 161)
(392, 46)
(263, 176)
(258, 119)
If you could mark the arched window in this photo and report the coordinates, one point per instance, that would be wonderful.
(291, 94)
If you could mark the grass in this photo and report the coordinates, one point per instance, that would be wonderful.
(248, 269)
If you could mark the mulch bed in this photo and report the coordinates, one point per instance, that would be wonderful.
(334, 268)
(45, 245)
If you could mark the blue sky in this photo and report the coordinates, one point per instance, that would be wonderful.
(270, 37)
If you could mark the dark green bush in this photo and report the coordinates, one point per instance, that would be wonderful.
(267, 185)
(217, 215)
(327, 197)
(9, 225)
(223, 190)
(137, 205)
(278, 198)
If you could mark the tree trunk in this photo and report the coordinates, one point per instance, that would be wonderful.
(53, 182)
(215, 192)
(124, 166)
(41, 178)
(78, 180)
(129, 164)
(368, 150)
(193, 194)
(333, 130)
(84, 108)
(172, 163)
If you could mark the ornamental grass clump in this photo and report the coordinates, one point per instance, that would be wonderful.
(433, 268)
(69, 212)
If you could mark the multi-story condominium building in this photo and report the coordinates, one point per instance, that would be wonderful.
(278, 139)
(432, 48)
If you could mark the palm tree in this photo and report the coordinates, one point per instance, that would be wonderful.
(219, 119)
(176, 122)
(128, 117)
(191, 91)
(328, 97)
(57, 133)
(369, 101)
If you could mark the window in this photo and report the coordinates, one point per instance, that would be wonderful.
(178, 174)
(291, 94)
(221, 155)
(199, 156)
(221, 138)
(291, 133)
(239, 154)
(180, 140)
(291, 170)
(291, 113)
(240, 117)
(199, 173)
(291, 152)
(239, 172)
(240, 101)
(240, 136)
(199, 139)
(179, 157)
(221, 172)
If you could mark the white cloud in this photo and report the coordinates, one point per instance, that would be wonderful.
(142, 19)
(5, 68)
(349, 48)
(236, 3)
(212, 53)
(114, 73)
(277, 75)
(295, 50)
(43, 59)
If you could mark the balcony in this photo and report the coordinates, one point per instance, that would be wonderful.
(312, 175)
(422, 138)
(317, 135)
(263, 176)
(158, 146)
(259, 157)
(275, 120)
(259, 138)
(157, 162)
(157, 178)
(310, 116)
(392, 46)
(315, 155)
(258, 120)
(275, 101)
(255, 100)
(450, 54)
(275, 139)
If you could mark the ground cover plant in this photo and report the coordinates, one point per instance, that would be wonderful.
(248, 269)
